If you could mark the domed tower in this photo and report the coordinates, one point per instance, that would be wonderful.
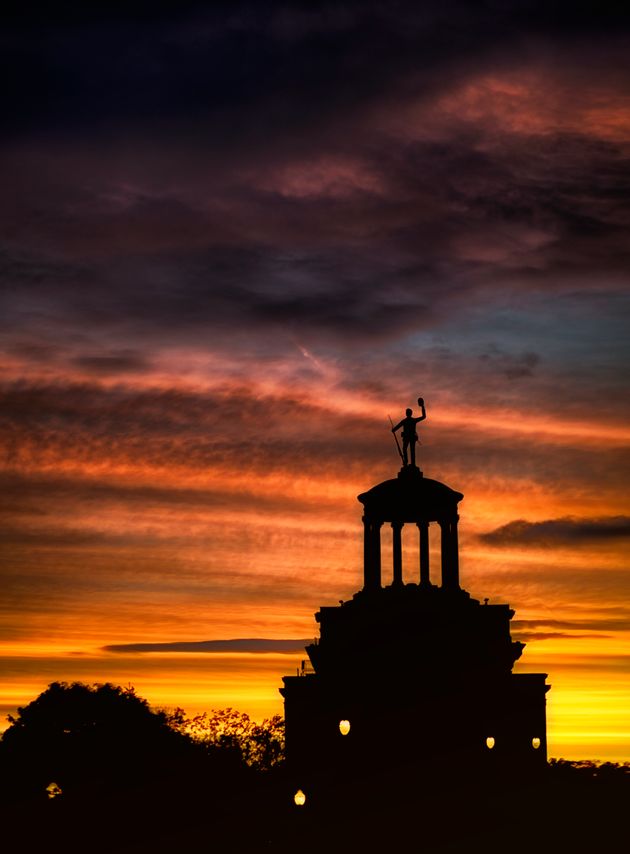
(413, 674)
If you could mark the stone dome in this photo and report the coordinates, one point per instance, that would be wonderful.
(409, 498)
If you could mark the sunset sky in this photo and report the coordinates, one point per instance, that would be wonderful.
(235, 238)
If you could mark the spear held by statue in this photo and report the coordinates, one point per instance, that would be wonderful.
(400, 453)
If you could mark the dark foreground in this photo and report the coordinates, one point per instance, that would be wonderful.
(566, 809)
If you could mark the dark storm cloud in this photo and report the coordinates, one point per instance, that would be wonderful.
(262, 288)
(237, 170)
(233, 645)
(114, 362)
(512, 366)
(134, 67)
(288, 61)
(565, 531)
(230, 290)
(370, 264)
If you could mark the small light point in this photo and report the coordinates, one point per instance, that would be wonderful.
(53, 790)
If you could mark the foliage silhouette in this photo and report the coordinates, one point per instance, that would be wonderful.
(97, 735)
(585, 769)
(260, 746)
(141, 776)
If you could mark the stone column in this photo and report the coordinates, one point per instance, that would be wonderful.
(423, 528)
(367, 554)
(376, 552)
(450, 559)
(444, 529)
(371, 554)
(455, 553)
(397, 540)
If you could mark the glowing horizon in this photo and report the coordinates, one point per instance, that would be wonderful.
(177, 521)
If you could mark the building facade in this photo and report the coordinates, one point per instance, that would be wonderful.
(411, 677)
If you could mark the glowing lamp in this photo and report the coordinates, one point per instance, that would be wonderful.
(490, 742)
(535, 743)
(53, 790)
(299, 798)
(344, 727)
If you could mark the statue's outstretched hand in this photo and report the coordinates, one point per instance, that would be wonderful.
(420, 401)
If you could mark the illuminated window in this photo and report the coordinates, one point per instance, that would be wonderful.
(300, 798)
(536, 743)
(344, 727)
(490, 742)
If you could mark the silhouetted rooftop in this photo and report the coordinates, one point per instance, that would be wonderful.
(410, 496)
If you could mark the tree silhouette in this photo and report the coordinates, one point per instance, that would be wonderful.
(78, 735)
(81, 757)
(261, 746)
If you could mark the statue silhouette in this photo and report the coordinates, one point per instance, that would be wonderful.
(409, 435)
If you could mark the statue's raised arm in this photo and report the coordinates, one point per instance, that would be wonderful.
(422, 407)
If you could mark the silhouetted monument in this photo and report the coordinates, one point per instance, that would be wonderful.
(411, 677)
(409, 435)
